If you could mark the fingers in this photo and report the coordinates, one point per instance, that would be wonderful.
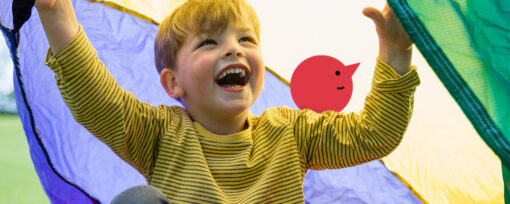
(44, 4)
(388, 11)
(375, 15)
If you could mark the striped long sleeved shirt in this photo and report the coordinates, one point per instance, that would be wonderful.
(264, 163)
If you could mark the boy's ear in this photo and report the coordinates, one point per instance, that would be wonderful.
(169, 81)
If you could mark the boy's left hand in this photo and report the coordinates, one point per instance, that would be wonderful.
(395, 46)
(388, 28)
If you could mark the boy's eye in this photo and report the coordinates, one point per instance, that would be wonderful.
(247, 39)
(206, 42)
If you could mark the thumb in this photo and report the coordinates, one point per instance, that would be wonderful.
(375, 15)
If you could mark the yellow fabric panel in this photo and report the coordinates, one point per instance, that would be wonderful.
(151, 9)
(442, 157)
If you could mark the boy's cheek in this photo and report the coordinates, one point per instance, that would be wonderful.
(205, 60)
(257, 64)
(204, 69)
(255, 59)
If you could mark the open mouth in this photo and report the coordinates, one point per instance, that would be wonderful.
(340, 88)
(233, 76)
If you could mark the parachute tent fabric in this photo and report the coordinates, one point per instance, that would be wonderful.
(471, 59)
(486, 182)
(75, 167)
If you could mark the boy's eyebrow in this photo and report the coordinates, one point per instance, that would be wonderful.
(204, 35)
(240, 28)
(245, 28)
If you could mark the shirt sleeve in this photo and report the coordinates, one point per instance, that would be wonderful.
(333, 140)
(129, 127)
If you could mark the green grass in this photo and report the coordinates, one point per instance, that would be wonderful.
(18, 180)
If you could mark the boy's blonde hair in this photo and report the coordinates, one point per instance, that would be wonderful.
(195, 17)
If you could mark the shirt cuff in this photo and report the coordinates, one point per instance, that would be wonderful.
(76, 50)
(387, 80)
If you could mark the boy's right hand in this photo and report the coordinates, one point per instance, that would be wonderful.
(59, 22)
(44, 4)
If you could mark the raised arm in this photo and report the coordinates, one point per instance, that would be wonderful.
(395, 46)
(59, 22)
(132, 129)
(337, 140)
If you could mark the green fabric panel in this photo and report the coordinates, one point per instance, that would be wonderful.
(489, 23)
(467, 43)
(475, 36)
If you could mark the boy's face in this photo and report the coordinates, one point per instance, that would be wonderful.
(221, 73)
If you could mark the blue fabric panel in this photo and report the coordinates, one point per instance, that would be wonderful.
(367, 183)
(125, 44)
(6, 14)
(58, 189)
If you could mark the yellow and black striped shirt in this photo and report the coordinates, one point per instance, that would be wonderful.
(264, 163)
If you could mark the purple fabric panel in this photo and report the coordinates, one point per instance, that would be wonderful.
(75, 154)
(367, 183)
(275, 94)
(57, 188)
(6, 14)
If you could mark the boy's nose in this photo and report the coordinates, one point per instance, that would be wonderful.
(234, 51)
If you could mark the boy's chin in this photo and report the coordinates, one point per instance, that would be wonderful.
(236, 107)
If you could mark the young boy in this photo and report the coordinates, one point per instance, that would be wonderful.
(208, 54)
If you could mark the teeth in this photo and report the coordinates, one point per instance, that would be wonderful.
(234, 86)
(233, 71)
